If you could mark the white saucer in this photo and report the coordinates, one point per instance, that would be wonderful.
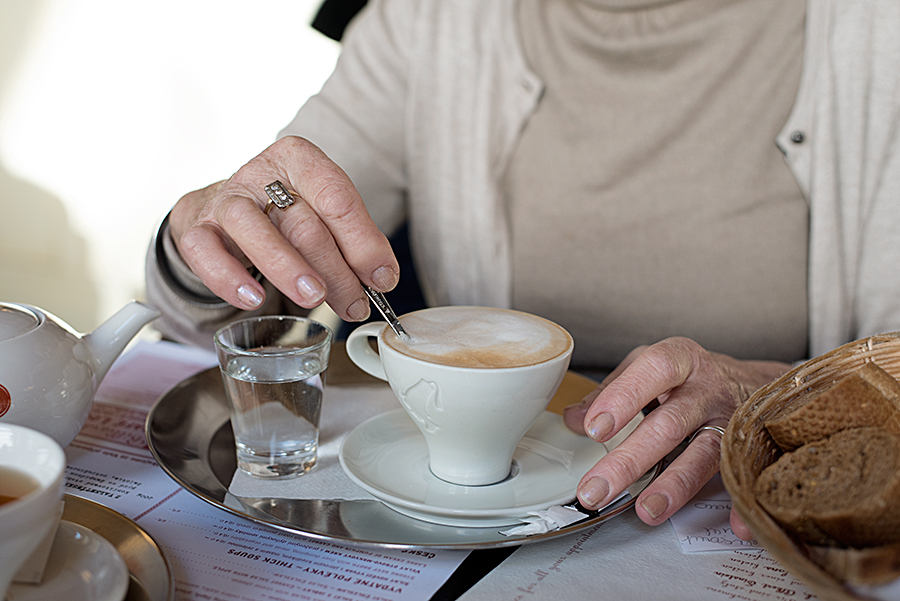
(83, 566)
(387, 456)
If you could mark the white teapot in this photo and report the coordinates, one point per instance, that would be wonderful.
(49, 373)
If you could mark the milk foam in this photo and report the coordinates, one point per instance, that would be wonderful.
(479, 337)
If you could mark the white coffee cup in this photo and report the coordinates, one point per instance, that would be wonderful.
(473, 379)
(32, 466)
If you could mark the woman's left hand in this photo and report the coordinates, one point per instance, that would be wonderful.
(695, 388)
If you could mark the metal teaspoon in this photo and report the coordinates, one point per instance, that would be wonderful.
(384, 308)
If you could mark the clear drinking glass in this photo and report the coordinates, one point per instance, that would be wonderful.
(274, 373)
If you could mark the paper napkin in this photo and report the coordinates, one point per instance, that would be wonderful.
(550, 519)
(344, 408)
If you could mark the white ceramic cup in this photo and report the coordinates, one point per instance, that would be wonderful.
(26, 521)
(472, 418)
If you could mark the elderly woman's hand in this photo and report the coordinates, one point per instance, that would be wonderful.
(319, 248)
(694, 388)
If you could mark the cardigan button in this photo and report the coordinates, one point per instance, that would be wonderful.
(797, 137)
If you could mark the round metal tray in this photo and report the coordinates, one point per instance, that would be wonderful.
(150, 576)
(189, 433)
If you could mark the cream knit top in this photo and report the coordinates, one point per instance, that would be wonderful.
(646, 196)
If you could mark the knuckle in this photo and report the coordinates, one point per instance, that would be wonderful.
(683, 352)
(334, 201)
(345, 291)
(669, 423)
(307, 231)
(279, 262)
(281, 151)
(191, 241)
(231, 212)
(688, 343)
(668, 360)
(624, 465)
(668, 370)
(683, 480)
(680, 484)
(289, 143)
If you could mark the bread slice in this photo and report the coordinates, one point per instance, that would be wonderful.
(868, 396)
(843, 490)
(870, 566)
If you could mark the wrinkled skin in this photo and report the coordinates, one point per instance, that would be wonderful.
(694, 388)
(318, 249)
(323, 246)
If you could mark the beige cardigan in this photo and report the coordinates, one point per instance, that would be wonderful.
(428, 99)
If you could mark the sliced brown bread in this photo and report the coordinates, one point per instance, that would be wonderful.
(843, 490)
(869, 566)
(869, 396)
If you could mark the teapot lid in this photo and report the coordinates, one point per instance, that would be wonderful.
(16, 320)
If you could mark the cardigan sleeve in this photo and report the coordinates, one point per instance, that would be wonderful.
(358, 121)
(842, 142)
(358, 118)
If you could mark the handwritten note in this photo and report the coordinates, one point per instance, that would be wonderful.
(703, 523)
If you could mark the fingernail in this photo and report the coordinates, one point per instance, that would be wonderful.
(310, 288)
(594, 491)
(601, 426)
(656, 504)
(359, 310)
(249, 296)
(384, 278)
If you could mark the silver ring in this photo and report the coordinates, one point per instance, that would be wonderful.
(718, 429)
(279, 196)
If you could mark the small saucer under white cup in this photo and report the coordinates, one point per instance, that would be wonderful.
(387, 456)
(83, 566)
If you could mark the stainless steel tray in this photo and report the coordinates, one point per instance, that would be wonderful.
(189, 433)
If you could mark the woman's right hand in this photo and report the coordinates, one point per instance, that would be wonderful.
(318, 249)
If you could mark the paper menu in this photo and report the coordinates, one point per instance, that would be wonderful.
(626, 559)
(215, 554)
(241, 560)
(145, 371)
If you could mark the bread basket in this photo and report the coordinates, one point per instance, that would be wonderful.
(747, 448)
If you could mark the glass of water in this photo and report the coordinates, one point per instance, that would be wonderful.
(274, 373)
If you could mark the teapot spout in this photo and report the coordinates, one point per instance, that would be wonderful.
(109, 339)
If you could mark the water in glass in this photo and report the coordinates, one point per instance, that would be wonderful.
(277, 402)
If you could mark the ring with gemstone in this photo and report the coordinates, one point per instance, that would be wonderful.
(279, 196)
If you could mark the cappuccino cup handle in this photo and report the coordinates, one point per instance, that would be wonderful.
(362, 353)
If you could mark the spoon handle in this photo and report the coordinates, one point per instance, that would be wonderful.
(384, 308)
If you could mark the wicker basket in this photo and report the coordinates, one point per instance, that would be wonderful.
(747, 448)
